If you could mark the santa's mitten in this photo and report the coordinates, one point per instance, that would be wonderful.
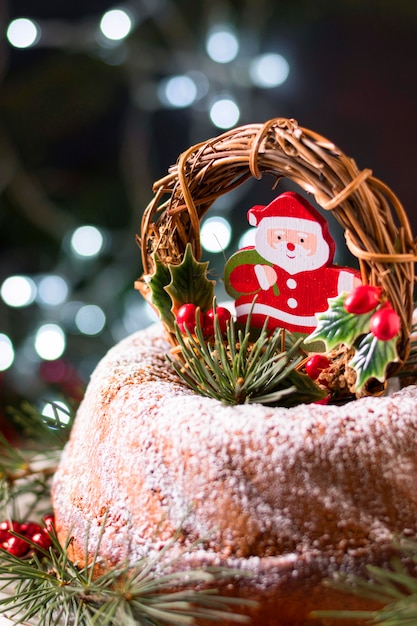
(348, 280)
(266, 276)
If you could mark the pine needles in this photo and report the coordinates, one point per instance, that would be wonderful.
(241, 370)
(394, 588)
(26, 472)
(50, 588)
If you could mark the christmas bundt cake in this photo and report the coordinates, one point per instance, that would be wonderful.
(279, 451)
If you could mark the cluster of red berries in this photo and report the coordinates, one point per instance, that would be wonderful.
(385, 323)
(187, 317)
(23, 538)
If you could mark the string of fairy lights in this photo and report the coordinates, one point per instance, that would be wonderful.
(107, 36)
(222, 46)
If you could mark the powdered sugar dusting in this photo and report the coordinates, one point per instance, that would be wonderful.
(278, 491)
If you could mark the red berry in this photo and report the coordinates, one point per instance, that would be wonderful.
(186, 317)
(363, 299)
(16, 546)
(324, 401)
(42, 540)
(49, 521)
(385, 323)
(5, 527)
(29, 529)
(223, 317)
(316, 364)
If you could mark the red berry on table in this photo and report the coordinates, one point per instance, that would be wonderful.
(385, 324)
(42, 540)
(363, 299)
(29, 529)
(316, 364)
(16, 546)
(186, 317)
(49, 521)
(5, 528)
(223, 317)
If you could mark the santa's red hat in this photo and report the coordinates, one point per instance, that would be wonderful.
(291, 210)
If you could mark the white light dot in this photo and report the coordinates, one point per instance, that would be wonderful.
(247, 238)
(6, 352)
(52, 290)
(178, 91)
(90, 319)
(216, 233)
(50, 342)
(87, 241)
(224, 113)
(222, 45)
(269, 70)
(18, 291)
(57, 411)
(22, 33)
(116, 24)
(201, 82)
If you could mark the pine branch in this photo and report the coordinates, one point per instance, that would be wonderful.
(27, 471)
(54, 591)
(395, 589)
(49, 431)
(238, 369)
(51, 590)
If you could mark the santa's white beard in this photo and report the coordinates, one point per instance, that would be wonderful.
(297, 260)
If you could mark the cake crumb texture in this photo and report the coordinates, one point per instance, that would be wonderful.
(291, 495)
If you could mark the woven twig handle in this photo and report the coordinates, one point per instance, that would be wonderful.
(376, 226)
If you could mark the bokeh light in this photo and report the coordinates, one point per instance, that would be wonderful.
(50, 342)
(224, 113)
(6, 352)
(22, 33)
(216, 234)
(90, 319)
(57, 411)
(116, 24)
(247, 238)
(222, 45)
(137, 314)
(52, 290)
(269, 70)
(87, 241)
(18, 291)
(178, 91)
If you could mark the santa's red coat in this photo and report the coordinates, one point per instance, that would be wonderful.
(291, 303)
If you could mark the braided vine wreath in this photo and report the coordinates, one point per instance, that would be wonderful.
(375, 224)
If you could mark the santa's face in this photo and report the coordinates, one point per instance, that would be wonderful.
(294, 249)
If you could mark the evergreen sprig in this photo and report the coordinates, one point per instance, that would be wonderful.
(242, 370)
(49, 431)
(52, 589)
(26, 471)
(395, 589)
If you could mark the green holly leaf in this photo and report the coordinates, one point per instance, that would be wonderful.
(174, 285)
(189, 283)
(372, 358)
(336, 325)
(161, 300)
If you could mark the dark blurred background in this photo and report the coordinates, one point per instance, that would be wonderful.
(95, 106)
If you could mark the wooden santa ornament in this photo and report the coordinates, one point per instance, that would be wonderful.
(289, 271)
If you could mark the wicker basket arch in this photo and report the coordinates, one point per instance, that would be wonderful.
(376, 226)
